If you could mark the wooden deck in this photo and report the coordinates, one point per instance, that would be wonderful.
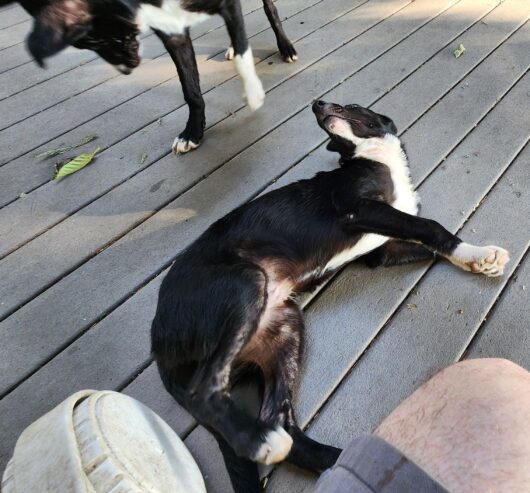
(81, 260)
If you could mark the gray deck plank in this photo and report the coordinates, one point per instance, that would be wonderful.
(13, 34)
(427, 332)
(506, 332)
(13, 16)
(26, 173)
(210, 40)
(154, 243)
(94, 237)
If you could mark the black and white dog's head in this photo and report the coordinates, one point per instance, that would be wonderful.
(351, 125)
(107, 27)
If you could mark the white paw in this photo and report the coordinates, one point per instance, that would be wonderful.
(488, 260)
(180, 146)
(229, 54)
(275, 448)
(254, 94)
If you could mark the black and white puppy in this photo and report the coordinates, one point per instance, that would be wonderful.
(111, 29)
(227, 304)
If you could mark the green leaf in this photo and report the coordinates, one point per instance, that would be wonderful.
(62, 150)
(459, 51)
(143, 158)
(75, 164)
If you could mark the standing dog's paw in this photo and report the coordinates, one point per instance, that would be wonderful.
(488, 260)
(288, 52)
(254, 94)
(229, 54)
(276, 445)
(182, 145)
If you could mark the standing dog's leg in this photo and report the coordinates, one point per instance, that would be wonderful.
(280, 377)
(233, 17)
(181, 51)
(377, 217)
(284, 45)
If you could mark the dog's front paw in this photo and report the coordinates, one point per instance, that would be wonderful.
(488, 260)
(183, 144)
(229, 54)
(254, 94)
(276, 445)
(288, 52)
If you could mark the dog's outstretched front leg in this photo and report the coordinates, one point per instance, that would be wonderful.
(372, 216)
(181, 51)
(242, 53)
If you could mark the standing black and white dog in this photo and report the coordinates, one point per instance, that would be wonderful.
(226, 305)
(111, 29)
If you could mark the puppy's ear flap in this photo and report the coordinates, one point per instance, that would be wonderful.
(57, 26)
(333, 146)
(390, 125)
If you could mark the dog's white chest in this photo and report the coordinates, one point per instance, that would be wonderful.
(387, 151)
(170, 18)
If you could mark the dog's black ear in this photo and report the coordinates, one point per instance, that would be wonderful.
(57, 26)
(389, 124)
(333, 146)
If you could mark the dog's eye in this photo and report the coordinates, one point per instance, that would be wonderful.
(371, 125)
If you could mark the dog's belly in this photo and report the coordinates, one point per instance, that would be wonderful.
(170, 18)
(365, 245)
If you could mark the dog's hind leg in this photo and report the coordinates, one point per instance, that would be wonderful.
(181, 51)
(284, 45)
(397, 252)
(280, 374)
(244, 474)
(233, 17)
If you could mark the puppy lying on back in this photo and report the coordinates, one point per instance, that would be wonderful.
(227, 304)
(111, 28)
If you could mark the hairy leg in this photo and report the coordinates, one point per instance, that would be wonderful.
(242, 53)
(468, 427)
(181, 51)
(397, 252)
(280, 373)
(284, 45)
(372, 216)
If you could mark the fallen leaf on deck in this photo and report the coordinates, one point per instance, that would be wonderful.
(412, 306)
(459, 51)
(143, 158)
(75, 164)
(62, 150)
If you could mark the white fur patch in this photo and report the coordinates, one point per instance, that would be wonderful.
(275, 448)
(180, 146)
(366, 244)
(385, 150)
(229, 54)
(488, 260)
(254, 93)
(170, 18)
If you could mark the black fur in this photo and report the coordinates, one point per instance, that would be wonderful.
(221, 307)
(108, 27)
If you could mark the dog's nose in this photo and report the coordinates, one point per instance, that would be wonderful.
(319, 103)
